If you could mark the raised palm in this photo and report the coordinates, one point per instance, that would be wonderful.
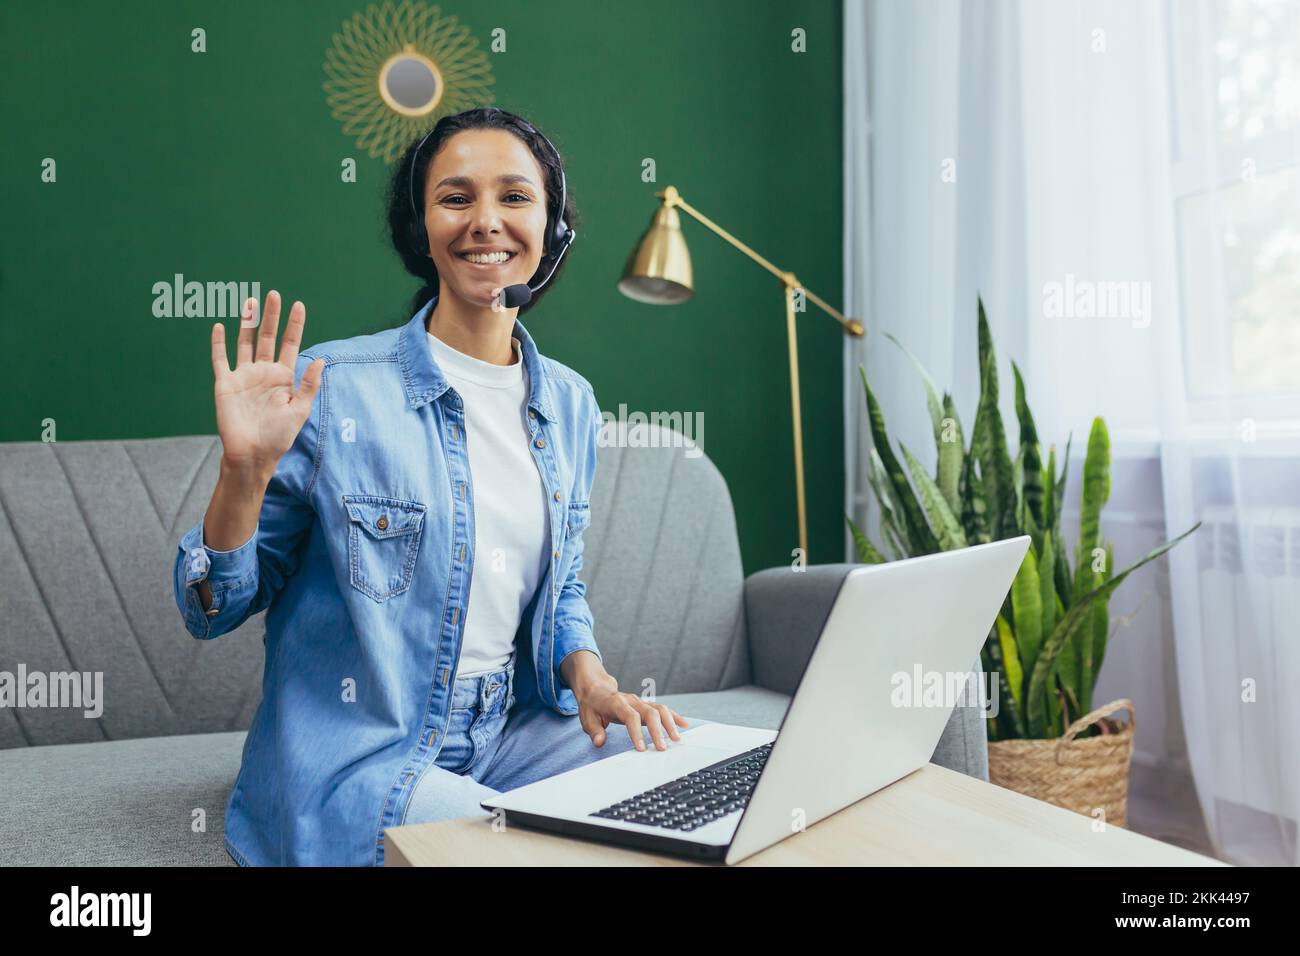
(258, 414)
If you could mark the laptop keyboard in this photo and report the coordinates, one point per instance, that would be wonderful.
(698, 798)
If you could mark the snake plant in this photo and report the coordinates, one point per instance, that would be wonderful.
(1047, 645)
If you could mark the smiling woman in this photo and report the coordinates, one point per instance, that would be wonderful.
(416, 533)
(480, 162)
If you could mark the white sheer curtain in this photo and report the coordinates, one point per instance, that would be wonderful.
(1119, 181)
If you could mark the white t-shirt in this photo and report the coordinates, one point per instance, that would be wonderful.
(510, 508)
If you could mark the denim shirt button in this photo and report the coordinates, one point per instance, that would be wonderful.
(540, 443)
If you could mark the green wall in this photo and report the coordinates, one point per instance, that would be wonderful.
(225, 166)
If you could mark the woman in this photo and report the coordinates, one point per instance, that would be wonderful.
(411, 517)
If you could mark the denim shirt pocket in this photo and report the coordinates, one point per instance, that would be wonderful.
(383, 542)
(579, 516)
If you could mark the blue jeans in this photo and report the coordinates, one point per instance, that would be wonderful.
(492, 746)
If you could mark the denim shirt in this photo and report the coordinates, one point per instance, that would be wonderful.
(362, 558)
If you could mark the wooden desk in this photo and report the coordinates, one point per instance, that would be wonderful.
(932, 817)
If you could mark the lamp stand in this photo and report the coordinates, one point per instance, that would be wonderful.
(672, 198)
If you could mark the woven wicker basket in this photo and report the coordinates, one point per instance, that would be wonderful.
(1079, 775)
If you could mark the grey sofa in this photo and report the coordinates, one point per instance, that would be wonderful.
(88, 534)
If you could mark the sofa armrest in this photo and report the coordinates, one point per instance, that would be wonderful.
(964, 743)
(785, 611)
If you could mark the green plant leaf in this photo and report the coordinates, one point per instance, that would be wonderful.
(1052, 708)
(1010, 722)
(1101, 626)
(1049, 496)
(1093, 496)
(1072, 710)
(919, 536)
(1059, 493)
(952, 455)
(1027, 606)
(1018, 484)
(894, 543)
(1066, 667)
(1061, 568)
(1095, 637)
(974, 510)
(1055, 696)
(985, 337)
(889, 518)
(1083, 646)
(1030, 527)
(1047, 599)
(1010, 658)
(867, 552)
(1074, 619)
(1033, 475)
(989, 440)
(1096, 492)
(941, 517)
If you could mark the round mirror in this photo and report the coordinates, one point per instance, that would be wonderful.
(410, 83)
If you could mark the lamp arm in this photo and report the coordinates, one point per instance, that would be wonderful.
(671, 197)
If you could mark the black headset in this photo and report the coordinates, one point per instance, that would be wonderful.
(556, 240)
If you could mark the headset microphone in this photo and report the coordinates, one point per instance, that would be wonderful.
(513, 296)
(556, 240)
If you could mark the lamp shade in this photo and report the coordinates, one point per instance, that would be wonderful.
(659, 269)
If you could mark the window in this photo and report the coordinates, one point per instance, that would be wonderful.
(1236, 184)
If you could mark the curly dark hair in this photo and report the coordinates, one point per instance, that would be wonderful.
(402, 218)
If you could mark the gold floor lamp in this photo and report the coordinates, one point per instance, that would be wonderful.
(659, 272)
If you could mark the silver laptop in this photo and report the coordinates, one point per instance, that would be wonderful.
(857, 722)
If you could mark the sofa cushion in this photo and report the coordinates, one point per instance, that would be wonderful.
(748, 705)
(119, 802)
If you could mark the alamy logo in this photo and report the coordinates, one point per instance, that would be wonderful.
(632, 430)
(102, 909)
(1084, 299)
(202, 300)
(55, 689)
(945, 689)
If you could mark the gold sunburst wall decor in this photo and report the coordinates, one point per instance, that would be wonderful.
(396, 69)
